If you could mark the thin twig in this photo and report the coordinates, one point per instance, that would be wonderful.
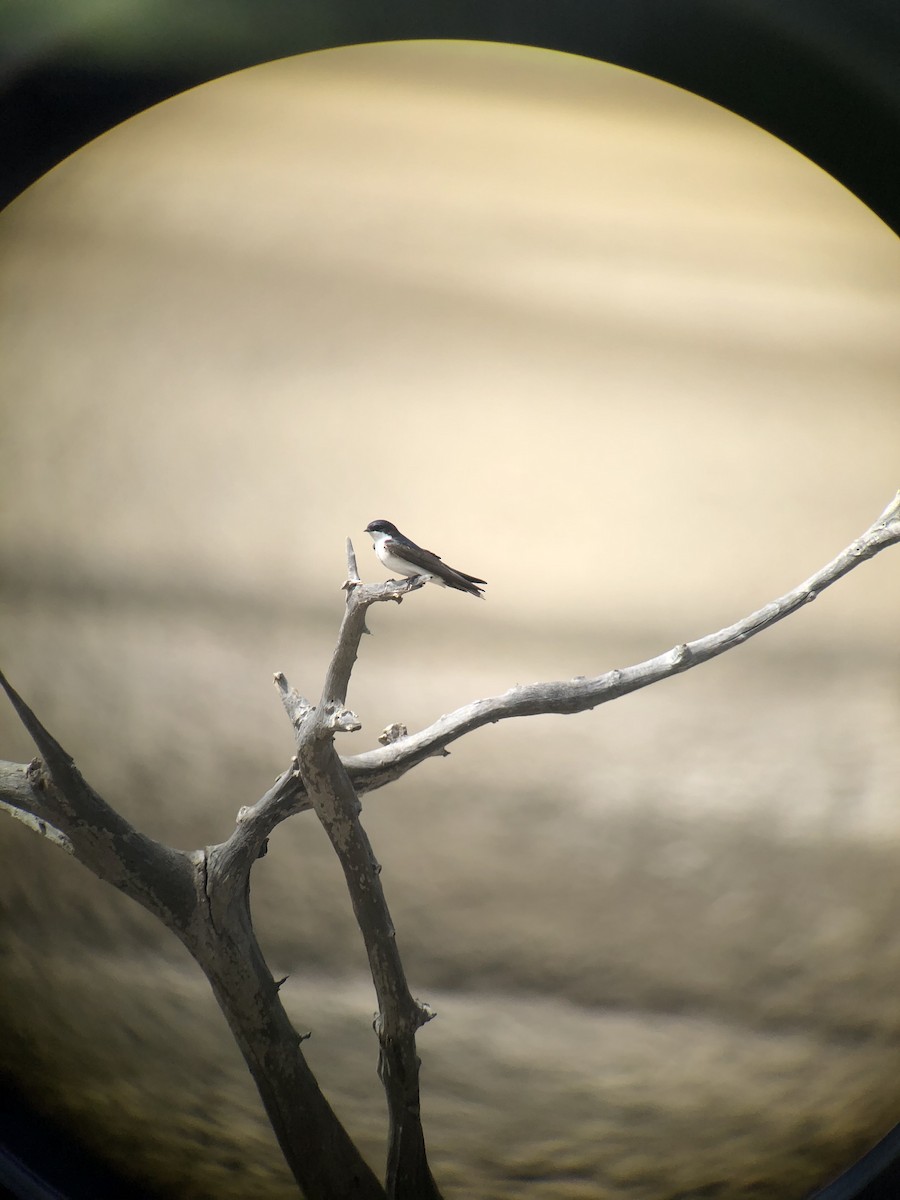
(352, 570)
(36, 823)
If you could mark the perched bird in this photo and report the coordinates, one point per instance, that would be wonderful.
(404, 557)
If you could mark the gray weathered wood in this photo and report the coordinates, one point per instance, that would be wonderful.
(203, 896)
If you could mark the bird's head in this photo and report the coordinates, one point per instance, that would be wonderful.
(384, 527)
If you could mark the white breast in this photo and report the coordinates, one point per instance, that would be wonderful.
(396, 565)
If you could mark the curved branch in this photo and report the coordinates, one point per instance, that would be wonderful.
(375, 768)
(315, 1144)
(208, 908)
(191, 893)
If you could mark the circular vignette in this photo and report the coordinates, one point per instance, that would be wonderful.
(813, 73)
(819, 74)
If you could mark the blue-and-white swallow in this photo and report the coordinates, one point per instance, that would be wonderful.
(404, 557)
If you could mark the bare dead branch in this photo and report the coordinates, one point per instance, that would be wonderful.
(206, 903)
(288, 794)
(317, 1148)
(353, 626)
(53, 790)
(204, 896)
(338, 808)
(375, 768)
(352, 571)
(40, 827)
(14, 782)
(399, 1016)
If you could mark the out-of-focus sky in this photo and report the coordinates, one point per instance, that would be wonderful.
(586, 335)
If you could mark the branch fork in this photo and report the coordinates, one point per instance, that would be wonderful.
(337, 806)
(203, 896)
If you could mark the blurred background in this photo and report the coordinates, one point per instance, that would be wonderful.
(819, 74)
(591, 338)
